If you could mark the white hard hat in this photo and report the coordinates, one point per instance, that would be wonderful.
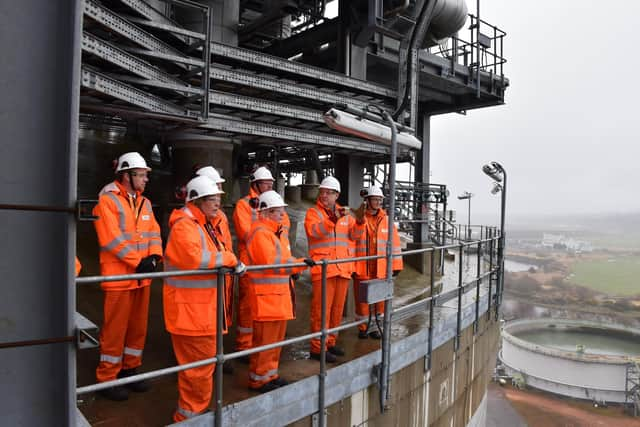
(211, 172)
(270, 199)
(201, 186)
(374, 190)
(261, 174)
(131, 160)
(330, 183)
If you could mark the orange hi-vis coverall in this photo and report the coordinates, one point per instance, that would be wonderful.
(272, 296)
(244, 216)
(330, 239)
(127, 232)
(225, 231)
(374, 242)
(190, 303)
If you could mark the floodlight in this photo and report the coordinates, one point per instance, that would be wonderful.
(496, 188)
(368, 129)
(466, 195)
(494, 170)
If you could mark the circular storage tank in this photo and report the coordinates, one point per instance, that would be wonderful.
(580, 359)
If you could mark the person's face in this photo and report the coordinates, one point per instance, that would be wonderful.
(374, 202)
(328, 197)
(274, 214)
(264, 185)
(139, 178)
(209, 205)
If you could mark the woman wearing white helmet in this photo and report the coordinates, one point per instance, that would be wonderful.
(195, 241)
(244, 215)
(272, 290)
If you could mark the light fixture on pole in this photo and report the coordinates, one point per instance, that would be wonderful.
(467, 196)
(496, 172)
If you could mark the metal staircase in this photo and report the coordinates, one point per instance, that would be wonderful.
(632, 387)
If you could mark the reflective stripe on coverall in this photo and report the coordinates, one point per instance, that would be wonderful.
(189, 304)
(330, 241)
(127, 232)
(244, 216)
(374, 242)
(272, 296)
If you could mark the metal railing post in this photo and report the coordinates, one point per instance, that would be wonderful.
(219, 349)
(431, 305)
(491, 243)
(478, 271)
(323, 349)
(460, 287)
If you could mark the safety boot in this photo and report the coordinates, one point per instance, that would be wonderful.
(336, 351)
(331, 358)
(117, 393)
(138, 386)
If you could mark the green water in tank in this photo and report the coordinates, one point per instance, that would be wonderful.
(593, 341)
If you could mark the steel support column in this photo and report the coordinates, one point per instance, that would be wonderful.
(38, 166)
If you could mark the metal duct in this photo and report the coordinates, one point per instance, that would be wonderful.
(449, 16)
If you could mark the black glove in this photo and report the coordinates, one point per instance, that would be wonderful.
(148, 264)
(309, 262)
(295, 276)
(254, 202)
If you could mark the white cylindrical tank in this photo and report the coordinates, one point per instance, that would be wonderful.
(580, 373)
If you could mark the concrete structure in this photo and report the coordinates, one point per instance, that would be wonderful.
(585, 375)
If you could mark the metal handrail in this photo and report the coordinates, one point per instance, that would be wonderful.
(397, 314)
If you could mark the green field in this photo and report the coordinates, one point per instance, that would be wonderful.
(617, 276)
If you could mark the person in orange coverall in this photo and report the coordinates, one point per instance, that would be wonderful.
(190, 302)
(374, 242)
(331, 233)
(244, 215)
(272, 295)
(129, 239)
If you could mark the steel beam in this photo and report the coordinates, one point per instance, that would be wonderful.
(295, 68)
(287, 87)
(101, 83)
(291, 134)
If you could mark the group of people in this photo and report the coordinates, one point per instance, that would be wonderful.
(200, 238)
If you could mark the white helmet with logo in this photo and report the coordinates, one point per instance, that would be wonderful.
(131, 160)
(201, 186)
(211, 172)
(261, 174)
(373, 191)
(330, 183)
(270, 199)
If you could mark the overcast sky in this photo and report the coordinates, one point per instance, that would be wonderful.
(568, 132)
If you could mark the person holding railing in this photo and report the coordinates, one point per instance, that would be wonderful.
(196, 241)
(129, 238)
(272, 290)
(244, 215)
(331, 233)
(374, 242)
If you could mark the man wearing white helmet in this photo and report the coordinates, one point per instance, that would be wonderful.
(244, 215)
(129, 239)
(331, 233)
(273, 296)
(190, 302)
(374, 242)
